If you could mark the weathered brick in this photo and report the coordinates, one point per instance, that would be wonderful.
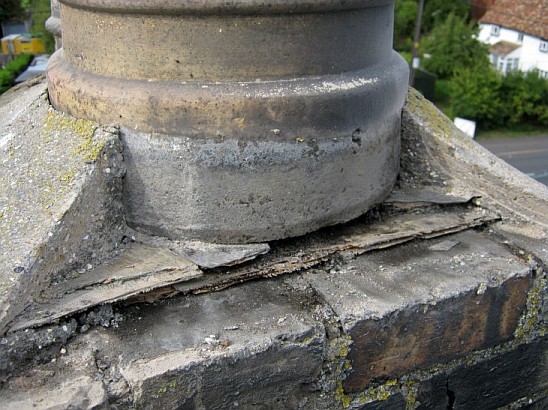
(265, 349)
(424, 335)
(490, 383)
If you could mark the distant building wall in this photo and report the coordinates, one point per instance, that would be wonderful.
(15, 27)
(532, 53)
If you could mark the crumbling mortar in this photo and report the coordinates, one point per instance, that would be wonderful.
(336, 368)
(480, 171)
(530, 258)
(335, 364)
(26, 348)
(22, 350)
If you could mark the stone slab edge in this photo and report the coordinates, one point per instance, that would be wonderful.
(61, 198)
(478, 170)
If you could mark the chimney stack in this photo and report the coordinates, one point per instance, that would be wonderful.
(242, 121)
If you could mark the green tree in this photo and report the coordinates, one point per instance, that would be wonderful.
(436, 11)
(11, 70)
(453, 46)
(10, 9)
(526, 95)
(476, 94)
(404, 23)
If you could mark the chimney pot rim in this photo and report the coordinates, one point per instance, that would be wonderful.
(201, 7)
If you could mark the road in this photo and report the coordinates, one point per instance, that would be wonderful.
(528, 154)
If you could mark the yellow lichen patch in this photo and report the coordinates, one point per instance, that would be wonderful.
(531, 317)
(392, 382)
(89, 149)
(164, 389)
(239, 122)
(410, 389)
(342, 397)
(307, 340)
(68, 177)
(56, 122)
(343, 351)
(380, 393)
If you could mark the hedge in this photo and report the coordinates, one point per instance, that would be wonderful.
(11, 70)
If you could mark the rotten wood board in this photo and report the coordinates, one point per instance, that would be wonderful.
(286, 256)
(412, 198)
(355, 238)
(140, 269)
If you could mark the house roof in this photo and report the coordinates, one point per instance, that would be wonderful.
(527, 16)
(503, 48)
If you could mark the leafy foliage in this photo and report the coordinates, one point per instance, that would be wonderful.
(475, 94)
(436, 11)
(494, 100)
(527, 96)
(467, 86)
(404, 23)
(12, 70)
(10, 9)
(453, 46)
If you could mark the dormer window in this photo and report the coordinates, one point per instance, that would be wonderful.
(543, 46)
(495, 30)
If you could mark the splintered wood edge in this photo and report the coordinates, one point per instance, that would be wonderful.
(358, 243)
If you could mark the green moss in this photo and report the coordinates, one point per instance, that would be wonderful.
(432, 117)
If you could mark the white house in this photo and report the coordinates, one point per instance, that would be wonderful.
(517, 32)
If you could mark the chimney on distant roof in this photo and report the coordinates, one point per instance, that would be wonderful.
(479, 7)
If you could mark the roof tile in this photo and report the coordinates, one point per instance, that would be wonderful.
(527, 16)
